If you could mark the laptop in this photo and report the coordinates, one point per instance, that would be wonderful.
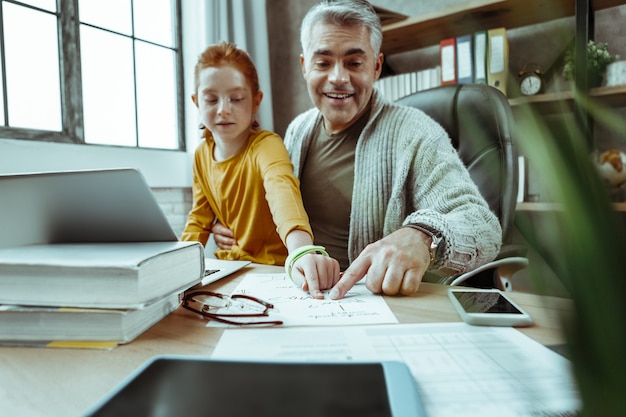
(215, 269)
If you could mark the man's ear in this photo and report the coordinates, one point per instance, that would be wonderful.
(378, 68)
(302, 66)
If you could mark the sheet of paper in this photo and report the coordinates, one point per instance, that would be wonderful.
(297, 308)
(461, 370)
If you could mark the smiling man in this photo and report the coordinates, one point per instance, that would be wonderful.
(386, 193)
(369, 167)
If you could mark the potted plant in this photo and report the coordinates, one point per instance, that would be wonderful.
(598, 57)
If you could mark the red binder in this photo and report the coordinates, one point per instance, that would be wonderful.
(447, 60)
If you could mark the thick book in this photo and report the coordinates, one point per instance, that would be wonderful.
(52, 326)
(100, 275)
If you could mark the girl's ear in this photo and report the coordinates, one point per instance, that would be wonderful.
(257, 102)
(194, 98)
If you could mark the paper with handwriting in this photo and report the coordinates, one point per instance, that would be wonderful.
(296, 307)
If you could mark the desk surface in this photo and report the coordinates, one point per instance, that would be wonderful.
(66, 382)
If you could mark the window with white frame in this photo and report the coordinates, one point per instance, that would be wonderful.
(100, 72)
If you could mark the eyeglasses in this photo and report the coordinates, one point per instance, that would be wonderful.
(229, 309)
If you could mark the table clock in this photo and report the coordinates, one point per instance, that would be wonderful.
(531, 80)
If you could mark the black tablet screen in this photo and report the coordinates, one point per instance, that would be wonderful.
(170, 387)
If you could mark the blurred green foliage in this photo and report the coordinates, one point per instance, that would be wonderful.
(584, 245)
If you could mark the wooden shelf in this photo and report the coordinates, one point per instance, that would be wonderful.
(614, 96)
(428, 29)
(545, 207)
(387, 16)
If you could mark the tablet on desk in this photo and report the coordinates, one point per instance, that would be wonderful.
(193, 386)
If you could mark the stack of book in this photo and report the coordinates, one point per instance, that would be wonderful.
(394, 87)
(92, 294)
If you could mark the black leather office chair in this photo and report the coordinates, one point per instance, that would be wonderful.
(479, 121)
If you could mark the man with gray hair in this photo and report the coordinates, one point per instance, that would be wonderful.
(386, 193)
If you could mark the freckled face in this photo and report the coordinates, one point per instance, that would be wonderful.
(226, 104)
(340, 67)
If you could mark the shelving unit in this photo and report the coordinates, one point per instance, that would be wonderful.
(415, 32)
(426, 30)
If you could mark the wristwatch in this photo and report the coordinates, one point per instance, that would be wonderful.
(435, 237)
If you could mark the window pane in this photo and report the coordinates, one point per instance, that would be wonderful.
(50, 5)
(156, 97)
(108, 88)
(153, 21)
(109, 14)
(32, 68)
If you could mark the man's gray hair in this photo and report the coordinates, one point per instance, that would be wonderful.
(342, 12)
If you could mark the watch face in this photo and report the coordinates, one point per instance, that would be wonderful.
(530, 84)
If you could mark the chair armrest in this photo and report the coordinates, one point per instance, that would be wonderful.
(503, 270)
(512, 250)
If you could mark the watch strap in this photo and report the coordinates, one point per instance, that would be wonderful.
(435, 237)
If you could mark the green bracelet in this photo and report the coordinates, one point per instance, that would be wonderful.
(299, 253)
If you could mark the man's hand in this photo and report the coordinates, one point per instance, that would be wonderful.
(223, 236)
(393, 265)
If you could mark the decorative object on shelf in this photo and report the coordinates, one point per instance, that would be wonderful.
(612, 167)
(531, 80)
(615, 73)
(598, 57)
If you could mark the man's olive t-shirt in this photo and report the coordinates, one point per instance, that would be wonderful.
(326, 183)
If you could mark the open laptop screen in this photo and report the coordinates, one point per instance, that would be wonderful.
(114, 205)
